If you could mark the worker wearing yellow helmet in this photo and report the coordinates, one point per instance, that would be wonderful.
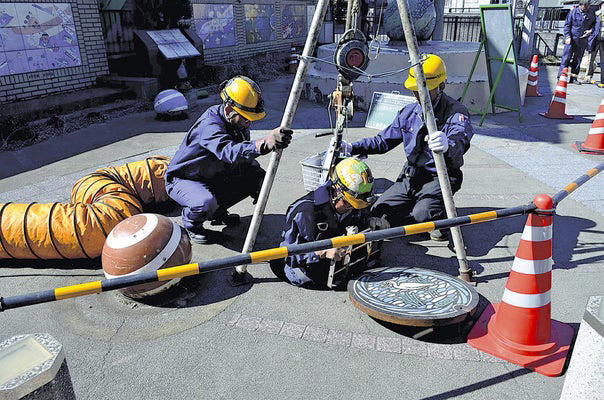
(416, 195)
(215, 166)
(324, 213)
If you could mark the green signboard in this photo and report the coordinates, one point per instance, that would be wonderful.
(384, 107)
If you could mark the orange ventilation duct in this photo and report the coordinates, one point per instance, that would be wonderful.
(99, 201)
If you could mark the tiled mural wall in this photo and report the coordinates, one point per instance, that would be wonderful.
(49, 47)
(242, 28)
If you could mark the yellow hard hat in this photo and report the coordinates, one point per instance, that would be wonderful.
(244, 95)
(434, 70)
(355, 180)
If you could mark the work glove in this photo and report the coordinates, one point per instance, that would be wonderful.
(333, 254)
(345, 149)
(438, 142)
(278, 138)
(377, 224)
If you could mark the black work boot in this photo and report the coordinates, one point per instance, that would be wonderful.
(222, 217)
(199, 235)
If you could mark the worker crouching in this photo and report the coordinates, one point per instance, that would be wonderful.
(416, 195)
(215, 166)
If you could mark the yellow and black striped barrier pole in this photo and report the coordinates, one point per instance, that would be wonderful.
(571, 187)
(181, 271)
(255, 257)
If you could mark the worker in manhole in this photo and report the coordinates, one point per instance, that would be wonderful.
(416, 195)
(326, 212)
(215, 167)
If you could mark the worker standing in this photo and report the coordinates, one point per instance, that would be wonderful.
(578, 28)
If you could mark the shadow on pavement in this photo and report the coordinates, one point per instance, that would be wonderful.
(479, 385)
(481, 238)
(199, 290)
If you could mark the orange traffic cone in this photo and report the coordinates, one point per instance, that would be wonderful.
(531, 86)
(594, 143)
(519, 329)
(557, 106)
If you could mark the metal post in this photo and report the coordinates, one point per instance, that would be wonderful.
(439, 160)
(286, 121)
(348, 15)
(528, 30)
(439, 5)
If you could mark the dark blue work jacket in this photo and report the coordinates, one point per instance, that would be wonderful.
(212, 149)
(577, 22)
(312, 217)
(408, 126)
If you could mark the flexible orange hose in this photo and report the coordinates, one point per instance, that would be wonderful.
(99, 201)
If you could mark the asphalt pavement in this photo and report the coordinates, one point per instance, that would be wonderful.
(270, 340)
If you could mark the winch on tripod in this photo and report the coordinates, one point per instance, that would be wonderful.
(352, 54)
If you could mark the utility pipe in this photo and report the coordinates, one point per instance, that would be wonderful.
(439, 160)
(286, 121)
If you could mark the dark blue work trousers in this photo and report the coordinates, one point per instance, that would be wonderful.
(572, 55)
(200, 200)
(413, 199)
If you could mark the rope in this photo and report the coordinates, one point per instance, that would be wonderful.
(361, 72)
(379, 43)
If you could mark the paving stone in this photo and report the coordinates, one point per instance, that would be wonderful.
(388, 344)
(465, 352)
(363, 341)
(270, 326)
(315, 334)
(339, 338)
(413, 347)
(233, 320)
(441, 351)
(249, 323)
(292, 330)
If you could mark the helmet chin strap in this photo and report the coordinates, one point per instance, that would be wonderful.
(438, 96)
(336, 195)
(230, 115)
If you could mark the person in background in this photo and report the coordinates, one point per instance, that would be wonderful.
(596, 45)
(579, 26)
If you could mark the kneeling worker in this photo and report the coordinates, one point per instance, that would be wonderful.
(215, 167)
(416, 195)
(325, 213)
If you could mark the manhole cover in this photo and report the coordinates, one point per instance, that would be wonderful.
(413, 296)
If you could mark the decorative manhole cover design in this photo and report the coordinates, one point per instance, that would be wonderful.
(413, 296)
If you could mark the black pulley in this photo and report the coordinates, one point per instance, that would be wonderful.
(352, 55)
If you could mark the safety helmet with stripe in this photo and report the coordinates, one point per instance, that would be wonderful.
(434, 71)
(170, 102)
(354, 180)
(244, 95)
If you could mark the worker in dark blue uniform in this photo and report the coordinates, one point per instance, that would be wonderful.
(595, 45)
(579, 28)
(416, 195)
(215, 167)
(325, 213)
